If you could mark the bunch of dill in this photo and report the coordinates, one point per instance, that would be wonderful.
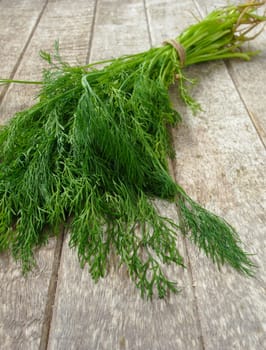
(94, 152)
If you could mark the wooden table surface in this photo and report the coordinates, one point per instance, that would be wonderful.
(220, 162)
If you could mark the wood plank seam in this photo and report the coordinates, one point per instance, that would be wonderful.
(48, 312)
(198, 8)
(95, 10)
(197, 311)
(21, 55)
(147, 21)
(173, 167)
(231, 74)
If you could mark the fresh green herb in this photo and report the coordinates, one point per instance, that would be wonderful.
(94, 152)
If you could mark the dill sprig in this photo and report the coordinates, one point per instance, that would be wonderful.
(94, 150)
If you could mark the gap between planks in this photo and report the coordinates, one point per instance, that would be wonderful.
(172, 168)
(95, 10)
(250, 114)
(147, 21)
(48, 311)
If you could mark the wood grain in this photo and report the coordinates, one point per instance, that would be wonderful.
(65, 21)
(111, 314)
(221, 163)
(13, 45)
(23, 301)
(249, 76)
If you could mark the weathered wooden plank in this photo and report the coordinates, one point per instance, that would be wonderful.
(111, 314)
(16, 17)
(224, 170)
(23, 310)
(249, 77)
(23, 300)
(221, 163)
(19, 323)
(64, 22)
(168, 18)
(120, 29)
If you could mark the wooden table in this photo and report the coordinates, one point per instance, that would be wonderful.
(220, 162)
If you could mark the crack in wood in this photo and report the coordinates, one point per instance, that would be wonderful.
(172, 166)
(48, 312)
(251, 115)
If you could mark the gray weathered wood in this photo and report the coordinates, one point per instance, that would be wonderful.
(224, 170)
(12, 45)
(111, 314)
(66, 21)
(23, 301)
(221, 162)
(17, 20)
(249, 77)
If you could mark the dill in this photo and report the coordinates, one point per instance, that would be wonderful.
(94, 150)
